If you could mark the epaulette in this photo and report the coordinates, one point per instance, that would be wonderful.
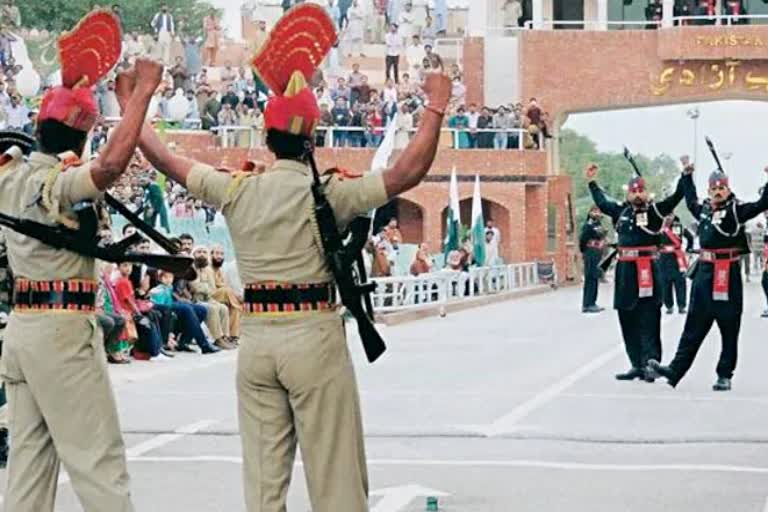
(69, 159)
(247, 170)
(11, 157)
(342, 173)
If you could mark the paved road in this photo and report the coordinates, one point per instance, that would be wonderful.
(508, 407)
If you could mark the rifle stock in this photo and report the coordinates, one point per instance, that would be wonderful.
(608, 260)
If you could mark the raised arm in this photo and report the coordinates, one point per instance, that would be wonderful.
(748, 211)
(607, 206)
(668, 205)
(689, 191)
(114, 158)
(415, 161)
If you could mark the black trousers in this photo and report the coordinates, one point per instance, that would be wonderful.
(675, 283)
(592, 273)
(591, 285)
(393, 63)
(641, 329)
(703, 313)
(697, 326)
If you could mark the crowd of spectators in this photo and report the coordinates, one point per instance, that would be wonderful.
(703, 11)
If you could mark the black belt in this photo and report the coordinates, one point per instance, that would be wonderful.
(285, 297)
(74, 295)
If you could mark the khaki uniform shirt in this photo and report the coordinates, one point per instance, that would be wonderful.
(271, 217)
(22, 184)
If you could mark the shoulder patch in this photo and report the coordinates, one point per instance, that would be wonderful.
(343, 174)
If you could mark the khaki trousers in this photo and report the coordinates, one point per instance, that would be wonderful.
(227, 297)
(61, 410)
(218, 319)
(165, 40)
(296, 383)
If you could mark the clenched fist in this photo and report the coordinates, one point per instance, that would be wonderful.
(438, 88)
(591, 172)
(149, 73)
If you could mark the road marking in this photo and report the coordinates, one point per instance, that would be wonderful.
(508, 423)
(396, 499)
(522, 463)
(150, 444)
(164, 439)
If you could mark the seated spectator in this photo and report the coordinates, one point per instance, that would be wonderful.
(210, 114)
(112, 320)
(149, 341)
(180, 75)
(228, 75)
(381, 266)
(230, 97)
(364, 91)
(322, 94)
(459, 92)
(354, 81)
(341, 90)
(355, 137)
(491, 249)
(374, 128)
(188, 318)
(422, 263)
(225, 294)
(192, 120)
(203, 287)
(390, 92)
(404, 127)
(241, 83)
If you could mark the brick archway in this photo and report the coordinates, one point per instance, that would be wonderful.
(410, 216)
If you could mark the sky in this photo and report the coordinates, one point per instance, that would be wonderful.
(734, 127)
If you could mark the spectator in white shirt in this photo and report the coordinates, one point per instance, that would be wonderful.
(415, 55)
(18, 113)
(407, 18)
(133, 47)
(390, 92)
(165, 29)
(192, 121)
(394, 43)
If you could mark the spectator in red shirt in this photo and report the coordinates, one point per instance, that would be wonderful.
(150, 341)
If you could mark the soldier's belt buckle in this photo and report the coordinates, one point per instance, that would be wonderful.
(631, 254)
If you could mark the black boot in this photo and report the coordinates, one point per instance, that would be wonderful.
(664, 371)
(3, 447)
(650, 375)
(634, 373)
(722, 384)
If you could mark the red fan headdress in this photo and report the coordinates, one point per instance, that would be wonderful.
(87, 54)
(286, 62)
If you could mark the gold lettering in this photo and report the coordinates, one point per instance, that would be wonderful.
(756, 82)
(733, 40)
(729, 40)
(687, 77)
(731, 65)
(660, 86)
(718, 84)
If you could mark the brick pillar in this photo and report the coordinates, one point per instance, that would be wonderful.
(535, 221)
(474, 69)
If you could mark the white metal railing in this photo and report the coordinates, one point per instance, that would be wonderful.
(228, 134)
(445, 286)
(186, 124)
(721, 19)
(600, 24)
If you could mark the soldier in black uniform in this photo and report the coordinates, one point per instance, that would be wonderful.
(637, 294)
(591, 244)
(716, 292)
(673, 264)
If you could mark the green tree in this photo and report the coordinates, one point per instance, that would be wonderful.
(577, 151)
(62, 15)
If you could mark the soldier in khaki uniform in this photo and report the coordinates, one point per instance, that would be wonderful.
(61, 405)
(295, 379)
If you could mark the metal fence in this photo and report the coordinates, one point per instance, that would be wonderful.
(443, 287)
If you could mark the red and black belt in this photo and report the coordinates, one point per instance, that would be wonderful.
(596, 244)
(643, 258)
(288, 297)
(65, 295)
(721, 259)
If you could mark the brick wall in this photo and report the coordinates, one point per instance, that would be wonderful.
(514, 188)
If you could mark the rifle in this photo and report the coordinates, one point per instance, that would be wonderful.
(608, 260)
(712, 149)
(60, 237)
(631, 160)
(142, 226)
(340, 259)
